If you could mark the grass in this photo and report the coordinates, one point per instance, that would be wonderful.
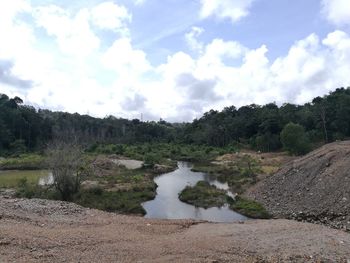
(249, 208)
(235, 177)
(162, 152)
(23, 162)
(10, 179)
(269, 169)
(119, 190)
(128, 202)
(203, 195)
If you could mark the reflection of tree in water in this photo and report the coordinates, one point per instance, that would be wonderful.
(198, 212)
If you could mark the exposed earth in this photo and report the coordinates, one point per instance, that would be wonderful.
(313, 188)
(52, 231)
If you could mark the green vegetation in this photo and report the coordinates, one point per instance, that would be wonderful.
(25, 132)
(203, 195)
(162, 152)
(128, 201)
(294, 139)
(23, 162)
(23, 129)
(249, 208)
(10, 179)
(117, 189)
(27, 189)
(239, 174)
(121, 191)
(68, 168)
(121, 201)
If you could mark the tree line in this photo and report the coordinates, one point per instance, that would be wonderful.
(324, 119)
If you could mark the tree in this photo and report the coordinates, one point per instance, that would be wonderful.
(249, 166)
(66, 163)
(321, 111)
(294, 139)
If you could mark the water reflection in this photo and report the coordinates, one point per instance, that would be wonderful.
(46, 179)
(167, 204)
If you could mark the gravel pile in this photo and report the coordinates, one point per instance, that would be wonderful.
(313, 188)
(35, 208)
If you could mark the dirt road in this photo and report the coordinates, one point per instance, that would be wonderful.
(47, 231)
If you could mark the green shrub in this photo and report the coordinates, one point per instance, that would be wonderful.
(249, 208)
(150, 160)
(294, 139)
(203, 195)
(18, 147)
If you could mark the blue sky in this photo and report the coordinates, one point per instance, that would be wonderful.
(171, 59)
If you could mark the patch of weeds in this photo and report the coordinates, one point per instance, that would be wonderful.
(249, 208)
(128, 202)
(203, 195)
(23, 162)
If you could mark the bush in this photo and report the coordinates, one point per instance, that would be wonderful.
(18, 147)
(150, 160)
(203, 195)
(67, 166)
(294, 139)
(249, 208)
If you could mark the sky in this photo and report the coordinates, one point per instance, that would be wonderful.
(171, 59)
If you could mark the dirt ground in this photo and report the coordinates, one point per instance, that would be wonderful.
(49, 231)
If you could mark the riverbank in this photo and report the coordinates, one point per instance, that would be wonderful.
(119, 184)
(52, 231)
(114, 183)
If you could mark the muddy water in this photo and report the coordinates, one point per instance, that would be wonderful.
(168, 206)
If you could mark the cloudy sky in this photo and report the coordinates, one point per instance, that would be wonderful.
(171, 59)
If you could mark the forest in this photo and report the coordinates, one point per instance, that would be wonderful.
(325, 119)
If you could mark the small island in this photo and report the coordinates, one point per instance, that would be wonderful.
(205, 195)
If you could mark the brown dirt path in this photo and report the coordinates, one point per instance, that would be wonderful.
(48, 231)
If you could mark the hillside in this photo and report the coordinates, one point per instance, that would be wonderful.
(314, 188)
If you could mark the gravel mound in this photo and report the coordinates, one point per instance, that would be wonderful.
(313, 188)
(39, 208)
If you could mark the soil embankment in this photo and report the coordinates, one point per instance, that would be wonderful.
(313, 188)
(50, 231)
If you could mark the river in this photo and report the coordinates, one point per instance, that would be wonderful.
(167, 205)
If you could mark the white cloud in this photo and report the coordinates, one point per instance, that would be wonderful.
(227, 73)
(234, 10)
(139, 2)
(124, 59)
(337, 11)
(191, 39)
(73, 32)
(14, 33)
(71, 70)
(109, 15)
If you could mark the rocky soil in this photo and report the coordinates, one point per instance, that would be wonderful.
(313, 188)
(50, 231)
